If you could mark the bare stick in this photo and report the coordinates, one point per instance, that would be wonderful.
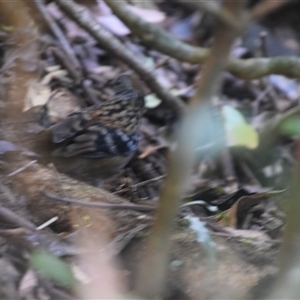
(10, 217)
(140, 184)
(143, 208)
(22, 168)
(60, 36)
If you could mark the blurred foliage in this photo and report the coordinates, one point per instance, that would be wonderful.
(52, 268)
(238, 132)
(291, 126)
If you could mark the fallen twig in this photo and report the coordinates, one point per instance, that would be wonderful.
(22, 168)
(6, 215)
(142, 208)
(140, 184)
(109, 42)
(67, 64)
(61, 38)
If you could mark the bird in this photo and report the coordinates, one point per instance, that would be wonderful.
(96, 142)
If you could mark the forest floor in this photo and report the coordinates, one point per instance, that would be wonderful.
(229, 228)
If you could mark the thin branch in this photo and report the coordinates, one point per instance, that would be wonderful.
(66, 47)
(22, 168)
(6, 215)
(63, 59)
(155, 37)
(151, 276)
(287, 284)
(47, 223)
(259, 11)
(254, 68)
(143, 208)
(109, 42)
(140, 184)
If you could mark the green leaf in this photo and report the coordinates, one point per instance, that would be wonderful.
(238, 132)
(291, 126)
(53, 268)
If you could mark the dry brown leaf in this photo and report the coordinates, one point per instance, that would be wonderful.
(37, 94)
(27, 283)
(229, 217)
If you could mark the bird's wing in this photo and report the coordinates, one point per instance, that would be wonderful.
(98, 141)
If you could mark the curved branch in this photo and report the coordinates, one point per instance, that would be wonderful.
(164, 42)
(155, 37)
(254, 68)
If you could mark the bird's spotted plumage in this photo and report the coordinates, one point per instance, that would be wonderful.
(105, 130)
